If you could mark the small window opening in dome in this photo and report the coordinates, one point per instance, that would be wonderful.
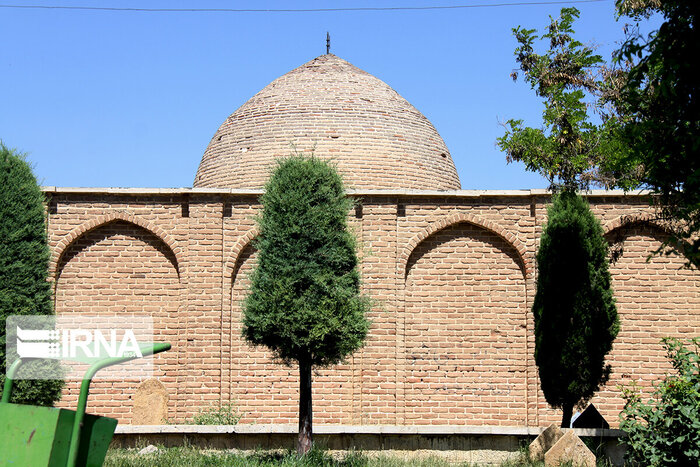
(219, 138)
(443, 154)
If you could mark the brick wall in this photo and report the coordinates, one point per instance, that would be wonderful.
(451, 275)
(655, 298)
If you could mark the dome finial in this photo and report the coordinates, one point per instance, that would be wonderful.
(328, 42)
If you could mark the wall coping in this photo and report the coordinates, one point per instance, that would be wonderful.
(419, 430)
(363, 192)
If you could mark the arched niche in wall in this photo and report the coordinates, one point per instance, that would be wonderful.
(465, 326)
(121, 267)
(656, 297)
(264, 390)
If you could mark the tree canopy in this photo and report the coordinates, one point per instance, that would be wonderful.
(304, 300)
(575, 315)
(571, 150)
(659, 100)
(635, 124)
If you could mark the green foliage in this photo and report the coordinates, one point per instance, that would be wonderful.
(304, 302)
(575, 315)
(666, 429)
(222, 414)
(24, 262)
(647, 107)
(570, 149)
(661, 104)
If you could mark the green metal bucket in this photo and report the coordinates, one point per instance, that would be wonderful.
(32, 436)
(41, 436)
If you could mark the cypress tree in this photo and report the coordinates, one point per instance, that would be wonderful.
(575, 314)
(24, 264)
(304, 302)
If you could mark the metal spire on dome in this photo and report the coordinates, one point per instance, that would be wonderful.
(328, 42)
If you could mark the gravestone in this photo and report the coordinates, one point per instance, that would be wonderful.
(544, 442)
(569, 448)
(590, 418)
(150, 404)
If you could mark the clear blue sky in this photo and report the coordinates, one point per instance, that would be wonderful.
(131, 99)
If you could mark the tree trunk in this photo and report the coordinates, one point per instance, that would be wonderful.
(305, 432)
(567, 410)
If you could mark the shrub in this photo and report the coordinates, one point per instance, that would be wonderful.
(223, 414)
(666, 429)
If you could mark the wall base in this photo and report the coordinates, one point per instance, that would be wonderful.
(484, 445)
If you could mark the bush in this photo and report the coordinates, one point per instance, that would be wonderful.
(666, 429)
(223, 414)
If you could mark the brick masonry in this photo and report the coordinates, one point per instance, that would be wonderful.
(451, 274)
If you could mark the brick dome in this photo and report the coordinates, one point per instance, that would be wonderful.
(377, 139)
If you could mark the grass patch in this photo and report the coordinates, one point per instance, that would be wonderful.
(192, 457)
(195, 457)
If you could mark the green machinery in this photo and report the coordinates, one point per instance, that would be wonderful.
(47, 436)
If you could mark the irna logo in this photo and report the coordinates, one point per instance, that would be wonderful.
(76, 343)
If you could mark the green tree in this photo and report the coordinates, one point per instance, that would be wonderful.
(304, 302)
(570, 150)
(661, 105)
(24, 263)
(575, 315)
(633, 125)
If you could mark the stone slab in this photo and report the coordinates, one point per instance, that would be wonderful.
(590, 418)
(570, 448)
(544, 442)
(150, 403)
(480, 445)
(353, 192)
